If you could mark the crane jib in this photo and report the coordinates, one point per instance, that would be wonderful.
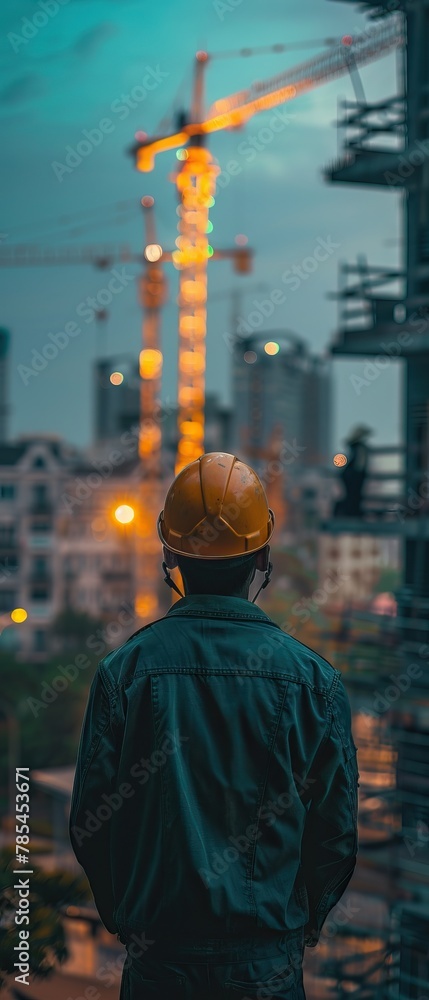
(336, 60)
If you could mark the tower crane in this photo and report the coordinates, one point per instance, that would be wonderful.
(196, 184)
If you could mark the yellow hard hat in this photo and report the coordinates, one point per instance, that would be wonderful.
(216, 508)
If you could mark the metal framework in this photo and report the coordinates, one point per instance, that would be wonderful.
(387, 144)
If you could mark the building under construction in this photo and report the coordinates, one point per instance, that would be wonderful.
(378, 944)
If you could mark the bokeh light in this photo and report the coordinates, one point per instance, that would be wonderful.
(19, 615)
(271, 347)
(339, 460)
(250, 357)
(116, 378)
(153, 252)
(150, 363)
(124, 513)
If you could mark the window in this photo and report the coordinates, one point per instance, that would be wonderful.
(39, 594)
(40, 565)
(39, 640)
(7, 491)
(7, 600)
(39, 462)
(39, 493)
(41, 526)
(40, 572)
(7, 534)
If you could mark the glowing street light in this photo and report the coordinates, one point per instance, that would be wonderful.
(124, 513)
(19, 615)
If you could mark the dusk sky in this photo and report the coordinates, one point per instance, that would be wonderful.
(74, 72)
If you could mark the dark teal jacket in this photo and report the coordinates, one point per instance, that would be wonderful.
(215, 794)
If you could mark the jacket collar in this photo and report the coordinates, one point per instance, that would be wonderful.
(217, 605)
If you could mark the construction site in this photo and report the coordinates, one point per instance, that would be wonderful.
(350, 554)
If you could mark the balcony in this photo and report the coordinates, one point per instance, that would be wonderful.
(386, 508)
(373, 143)
(376, 317)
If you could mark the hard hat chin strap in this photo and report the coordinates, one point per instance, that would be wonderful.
(169, 581)
(265, 582)
(173, 585)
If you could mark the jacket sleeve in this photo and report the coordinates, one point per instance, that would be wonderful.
(94, 784)
(330, 837)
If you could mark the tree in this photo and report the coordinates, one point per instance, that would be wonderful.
(73, 628)
(50, 892)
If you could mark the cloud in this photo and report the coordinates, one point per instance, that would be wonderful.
(89, 41)
(22, 89)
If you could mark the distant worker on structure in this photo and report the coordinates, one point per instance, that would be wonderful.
(214, 807)
(354, 474)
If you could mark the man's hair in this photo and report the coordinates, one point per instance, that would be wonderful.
(217, 576)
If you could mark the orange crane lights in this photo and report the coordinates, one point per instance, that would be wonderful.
(196, 185)
(153, 294)
(196, 181)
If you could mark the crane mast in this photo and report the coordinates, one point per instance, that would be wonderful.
(153, 294)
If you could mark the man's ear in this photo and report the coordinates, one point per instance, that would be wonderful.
(170, 558)
(262, 558)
